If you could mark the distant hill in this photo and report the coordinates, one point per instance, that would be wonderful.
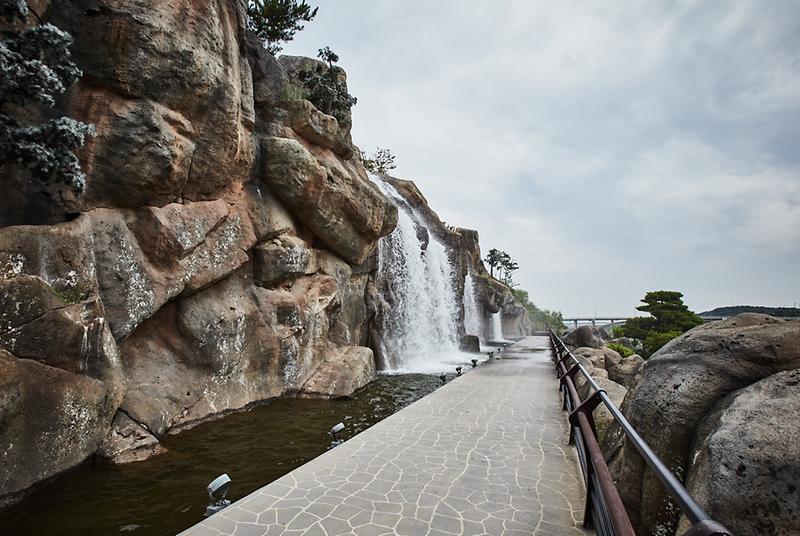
(736, 309)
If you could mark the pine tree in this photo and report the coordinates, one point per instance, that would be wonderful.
(276, 21)
(494, 259)
(669, 317)
(35, 66)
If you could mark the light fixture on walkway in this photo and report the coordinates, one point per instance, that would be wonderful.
(474, 363)
(458, 371)
(217, 490)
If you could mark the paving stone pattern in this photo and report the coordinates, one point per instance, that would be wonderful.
(485, 454)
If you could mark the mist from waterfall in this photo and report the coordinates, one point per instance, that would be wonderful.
(420, 332)
(472, 314)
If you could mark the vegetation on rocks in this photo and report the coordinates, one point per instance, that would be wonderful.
(621, 349)
(504, 264)
(276, 21)
(541, 319)
(35, 67)
(381, 161)
(669, 317)
(327, 90)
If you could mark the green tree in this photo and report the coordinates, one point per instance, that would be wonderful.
(276, 21)
(508, 267)
(35, 66)
(494, 259)
(669, 317)
(541, 319)
(327, 88)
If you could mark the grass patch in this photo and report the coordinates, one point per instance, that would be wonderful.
(624, 351)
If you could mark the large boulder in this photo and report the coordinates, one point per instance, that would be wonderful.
(627, 370)
(590, 336)
(343, 209)
(746, 459)
(341, 373)
(680, 386)
(316, 127)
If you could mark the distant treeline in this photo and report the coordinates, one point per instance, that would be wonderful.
(736, 309)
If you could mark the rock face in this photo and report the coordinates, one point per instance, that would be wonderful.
(713, 404)
(747, 458)
(217, 257)
(586, 336)
(223, 252)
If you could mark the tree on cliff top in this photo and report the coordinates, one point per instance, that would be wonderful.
(494, 259)
(669, 317)
(35, 66)
(505, 265)
(276, 21)
(327, 89)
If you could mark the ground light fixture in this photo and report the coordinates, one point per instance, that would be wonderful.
(458, 371)
(335, 430)
(490, 354)
(474, 363)
(217, 490)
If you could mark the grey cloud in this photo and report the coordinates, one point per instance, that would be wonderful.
(611, 147)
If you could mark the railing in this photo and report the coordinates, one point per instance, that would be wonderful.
(604, 509)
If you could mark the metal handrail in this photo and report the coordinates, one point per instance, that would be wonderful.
(604, 508)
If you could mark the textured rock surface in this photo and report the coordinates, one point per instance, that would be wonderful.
(586, 336)
(187, 281)
(684, 383)
(746, 465)
(342, 373)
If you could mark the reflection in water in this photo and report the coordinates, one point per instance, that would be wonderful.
(167, 494)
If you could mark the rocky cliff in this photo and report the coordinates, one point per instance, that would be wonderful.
(215, 259)
(222, 253)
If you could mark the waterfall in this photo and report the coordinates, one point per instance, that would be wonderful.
(419, 331)
(472, 315)
(497, 326)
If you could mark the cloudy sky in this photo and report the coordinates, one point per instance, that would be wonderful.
(610, 147)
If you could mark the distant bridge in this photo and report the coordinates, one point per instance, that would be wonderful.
(594, 320)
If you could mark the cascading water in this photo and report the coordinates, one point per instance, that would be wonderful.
(497, 326)
(472, 315)
(420, 330)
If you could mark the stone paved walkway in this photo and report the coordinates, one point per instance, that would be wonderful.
(485, 454)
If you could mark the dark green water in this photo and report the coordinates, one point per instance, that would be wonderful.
(166, 494)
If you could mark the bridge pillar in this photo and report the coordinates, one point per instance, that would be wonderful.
(593, 321)
(576, 323)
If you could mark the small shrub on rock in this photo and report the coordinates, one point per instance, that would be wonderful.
(35, 66)
(624, 351)
(381, 161)
(327, 89)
